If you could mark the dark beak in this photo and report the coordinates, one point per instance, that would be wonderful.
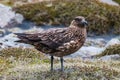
(85, 23)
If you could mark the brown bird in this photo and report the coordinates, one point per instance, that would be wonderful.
(58, 42)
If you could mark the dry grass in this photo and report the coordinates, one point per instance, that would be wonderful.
(29, 64)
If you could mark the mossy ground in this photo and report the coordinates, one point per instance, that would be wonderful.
(118, 1)
(29, 64)
(12, 56)
(12, 2)
(111, 50)
(102, 18)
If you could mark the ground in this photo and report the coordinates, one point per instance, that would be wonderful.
(29, 64)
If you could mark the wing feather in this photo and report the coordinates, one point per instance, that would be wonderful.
(52, 38)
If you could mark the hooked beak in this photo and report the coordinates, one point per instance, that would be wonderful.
(85, 23)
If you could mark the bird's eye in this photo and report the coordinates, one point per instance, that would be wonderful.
(77, 19)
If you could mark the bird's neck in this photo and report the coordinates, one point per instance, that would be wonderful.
(74, 26)
(78, 30)
(77, 27)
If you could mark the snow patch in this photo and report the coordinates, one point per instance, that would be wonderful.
(109, 2)
(87, 51)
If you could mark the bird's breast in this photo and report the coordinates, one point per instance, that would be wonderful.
(70, 47)
(74, 45)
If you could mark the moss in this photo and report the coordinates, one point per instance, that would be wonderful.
(12, 56)
(7, 2)
(4, 65)
(102, 18)
(95, 70)
(111, 50)
(118, 1)
(30, 64)
(20, 53)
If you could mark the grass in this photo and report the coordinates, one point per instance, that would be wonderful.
(29, 64)
(13, 56)
(102, 18)
(111, 50)
(118, 1)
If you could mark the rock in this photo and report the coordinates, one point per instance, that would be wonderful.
(110, 57)
(1, 78)
(113, 42)
(99, 42)
(9, 18)
(87, 51)
(8, 41)
(4, 32)
(95, 46)
(19, 18)
(1, 33)
(1, 43)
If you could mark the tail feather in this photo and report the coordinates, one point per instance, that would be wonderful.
(22, 37)
(20, 41)
(21, 34)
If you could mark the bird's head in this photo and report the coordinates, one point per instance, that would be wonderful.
(79, 21)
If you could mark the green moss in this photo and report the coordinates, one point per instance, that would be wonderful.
(102, 18)
(118, 1)
(115, 49)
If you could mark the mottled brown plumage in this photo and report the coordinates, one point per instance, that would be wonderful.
(58, 42)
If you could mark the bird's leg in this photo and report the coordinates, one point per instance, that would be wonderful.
(52, 63)
(61, 60)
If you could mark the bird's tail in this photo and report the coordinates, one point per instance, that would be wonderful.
(23, 37)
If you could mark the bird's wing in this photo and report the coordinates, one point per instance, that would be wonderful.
(26, 36)
(55, 37)
(52, 38)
